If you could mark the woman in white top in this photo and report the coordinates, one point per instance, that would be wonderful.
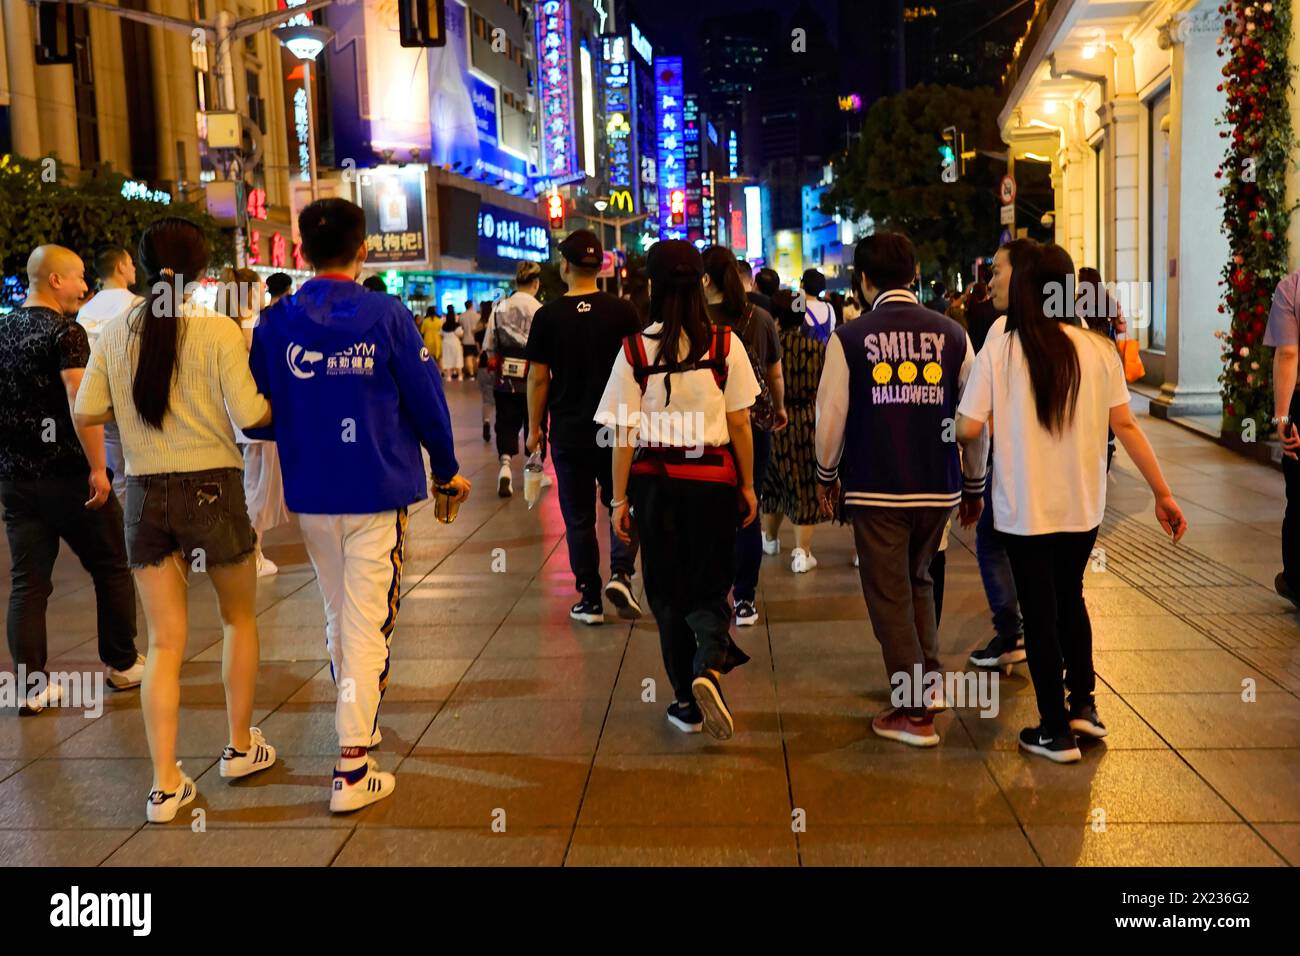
(1049, 390)
(173, 375)
(453, 350)
(678, 397)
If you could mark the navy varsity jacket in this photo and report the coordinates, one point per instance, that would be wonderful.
(887, 408)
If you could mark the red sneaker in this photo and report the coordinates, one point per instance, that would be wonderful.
(893, 724)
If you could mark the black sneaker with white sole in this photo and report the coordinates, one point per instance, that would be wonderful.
(1060, 747)
(713, 706)
(1000, 652)
(619, 592)
(746, 614)
(588, 612)
(1085, 722)
(686, 717)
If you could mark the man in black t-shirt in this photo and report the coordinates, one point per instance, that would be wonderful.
(572, 344)
(48, 468)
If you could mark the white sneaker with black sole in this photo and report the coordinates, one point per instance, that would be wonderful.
(619, 592)
(133, 676)
(504, 488)
(259, 756)
(713, 706)
(162, 806)
(51, 695)
(353, 789)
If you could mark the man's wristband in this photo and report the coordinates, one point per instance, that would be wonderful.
(1281, 420)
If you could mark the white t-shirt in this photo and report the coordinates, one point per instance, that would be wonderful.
(697, 414)
(103, 308)
(1045, 483)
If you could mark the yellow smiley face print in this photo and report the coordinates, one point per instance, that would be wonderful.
(932, 373)
(907, 373)
(882, 373)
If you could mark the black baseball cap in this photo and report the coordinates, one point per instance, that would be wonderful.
(582, 248)
(673, 259)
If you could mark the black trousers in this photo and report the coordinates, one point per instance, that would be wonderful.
(582, 475)
(938, 568)
(1048, 569)
(687, 531)
(37, 515)
(512, 418)
(1291, 520)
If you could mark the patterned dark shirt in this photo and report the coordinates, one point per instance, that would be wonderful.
(37, 439)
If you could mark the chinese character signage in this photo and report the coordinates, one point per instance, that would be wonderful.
(393, 200)
(506, 237)
(484, 95)
(619, 140)
(670, 142)
(555, 86)
(691, 134)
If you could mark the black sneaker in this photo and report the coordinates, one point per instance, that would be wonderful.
(1059, 747)
(746, 614)
(1281, 586)
(619, 592)
(487, 431)
(1000, 652)
(588, 612)
(686, 717)
(1085, 722)
(713, 706)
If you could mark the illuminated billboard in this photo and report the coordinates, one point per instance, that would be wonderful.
(620, 169)
(555, 88)
(670, 141)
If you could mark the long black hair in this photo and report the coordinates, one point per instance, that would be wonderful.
(1040, 273)
(173, 253)
(724, 273)
(678, 302)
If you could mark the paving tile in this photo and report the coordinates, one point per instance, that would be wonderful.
(1284, 838)
(1220, 720)
(1151, 845)
(1127, 731)
(636, 727)
(539, 678)
(202, 733)
(1262, 785)
(61, 848)
(390, 846)
(85, 794)
(309, 729)
(28, 737)
(916, 845)
(816, 725)
(1157, 632)
(408, 680)
(265, 846)
(683, 846)
(515, 726)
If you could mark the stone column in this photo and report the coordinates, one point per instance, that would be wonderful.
(1197, 247)
(20, 46)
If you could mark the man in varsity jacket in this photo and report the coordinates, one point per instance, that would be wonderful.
(886, 408)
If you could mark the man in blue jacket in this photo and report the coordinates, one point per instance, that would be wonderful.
(886, 432)
(356, 394)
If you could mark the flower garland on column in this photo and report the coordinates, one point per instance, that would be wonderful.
(1257, 78)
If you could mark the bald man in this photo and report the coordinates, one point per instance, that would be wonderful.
(53, 482)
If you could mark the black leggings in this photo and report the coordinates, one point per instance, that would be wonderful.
(1048, 569)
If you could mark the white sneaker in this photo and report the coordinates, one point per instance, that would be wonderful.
(50, 696)
(354, 789)
(801, 561)
(162, 807)
(133, 676)
(771, 545)
(503, 481)
(265, 566)
(259, 756)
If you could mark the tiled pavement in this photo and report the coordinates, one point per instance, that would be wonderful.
(502, 711)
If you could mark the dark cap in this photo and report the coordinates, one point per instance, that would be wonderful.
(671, 259)
(582, 248)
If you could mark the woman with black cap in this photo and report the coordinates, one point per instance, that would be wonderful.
(676, 411)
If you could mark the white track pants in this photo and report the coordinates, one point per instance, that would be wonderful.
(358, 562)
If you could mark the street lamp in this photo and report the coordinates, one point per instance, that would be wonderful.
(306, 41)
(601, 205)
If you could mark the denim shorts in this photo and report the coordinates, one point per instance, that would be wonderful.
(200, 514)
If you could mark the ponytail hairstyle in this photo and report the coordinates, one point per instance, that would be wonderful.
(1040, 273)
(677, 300)
(173, 253)
(724, 274)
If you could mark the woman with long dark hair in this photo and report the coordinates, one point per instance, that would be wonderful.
(167, 372)
(729, 306)
(1050, 389)
(676, 410)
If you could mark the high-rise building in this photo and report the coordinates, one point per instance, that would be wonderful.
(733, 53)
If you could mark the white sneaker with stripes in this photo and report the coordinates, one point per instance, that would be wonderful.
(259, 756)
(162, 807)
(353, 789)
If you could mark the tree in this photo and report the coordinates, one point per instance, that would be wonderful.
(893, 174)
(38, 205)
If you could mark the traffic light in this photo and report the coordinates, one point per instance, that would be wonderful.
(948, 154)
(677, 207)
(555, 210)
(422, 22)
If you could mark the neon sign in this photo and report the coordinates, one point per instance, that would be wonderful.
(733, 155)
(555, 83)
(256, 205)
(671, 142)
(507, 235)
(644, 48)
(133, 189)
(618, 113)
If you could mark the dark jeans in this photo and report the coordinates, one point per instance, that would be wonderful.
(578, 472)
(938, 570)
(896, 547)
(1058, 635)
(201, 514)
(37, 514)
(688, 541)
(995, 571)
(749, 540)
(512, 418)
(1291, 520)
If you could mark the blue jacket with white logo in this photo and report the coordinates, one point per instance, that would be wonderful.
(354, 394)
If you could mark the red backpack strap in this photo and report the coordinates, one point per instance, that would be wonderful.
(634, 352)
(718, 350)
